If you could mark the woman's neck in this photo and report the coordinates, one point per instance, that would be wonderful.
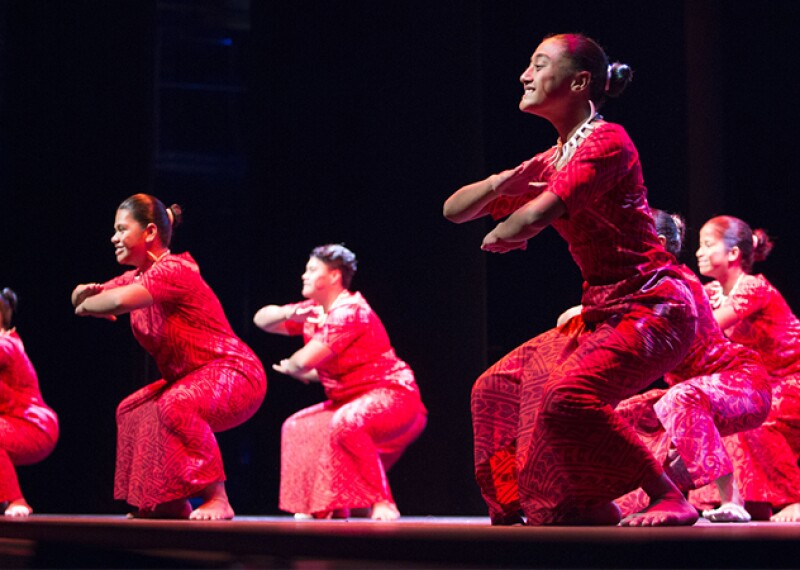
(571, 120)
(731, 279)
(329, 298)
(153, 256)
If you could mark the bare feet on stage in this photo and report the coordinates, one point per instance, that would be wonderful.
(790, 513)
(177, 509)
(668, 506)
(18, 508)
(215, 504)
(384, 511)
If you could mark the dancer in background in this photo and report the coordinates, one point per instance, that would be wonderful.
(212, 381)
(335, 455)
(719, 388)
(28, 427)
(753, 313)
(547, 439)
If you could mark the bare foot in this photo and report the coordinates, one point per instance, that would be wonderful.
(384, 511)
(177, 509)
(669, 510)
(728, 513)
(215, 504)
(18, 508)
(790, 513)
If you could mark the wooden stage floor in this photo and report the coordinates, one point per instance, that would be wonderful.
(85, 541)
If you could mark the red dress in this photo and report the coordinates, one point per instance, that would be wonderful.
(335, 455)
(547, 438)
(719, 389)
(28, 427)
(765, 459)
(212, 382)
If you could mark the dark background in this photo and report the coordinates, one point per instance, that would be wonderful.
(280, 126)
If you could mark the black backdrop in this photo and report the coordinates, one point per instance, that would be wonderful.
(357, 120)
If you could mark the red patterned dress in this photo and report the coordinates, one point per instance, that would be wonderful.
(212, 381)
(765, 459)
(719, 389)
(28, 427)
(547, 438)
(335, 455)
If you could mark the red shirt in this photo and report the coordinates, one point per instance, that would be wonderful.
(363, 356)
(608, 226)
(185, 327)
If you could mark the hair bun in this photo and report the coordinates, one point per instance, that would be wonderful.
(175, 214)
(762, 244)
(619, 75)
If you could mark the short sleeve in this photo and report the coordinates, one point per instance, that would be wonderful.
(343, 326)
(293, 327)
(503, 206)
(119, 281)
(169, 280)
(600, 163)
(7, 350)
(750, 296)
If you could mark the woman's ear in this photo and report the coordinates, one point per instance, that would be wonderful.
(150, 232)
(581, 80)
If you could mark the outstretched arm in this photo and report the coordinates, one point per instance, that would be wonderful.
(469, 202)
(529, 220)
(112, 302)
(273, 318)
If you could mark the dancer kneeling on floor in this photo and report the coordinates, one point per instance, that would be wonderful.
(719, 388)
(335, 455)
(753, 312)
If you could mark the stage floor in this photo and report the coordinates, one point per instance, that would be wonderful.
(61, 541)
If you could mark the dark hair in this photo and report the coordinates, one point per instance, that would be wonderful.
(754, 245)
(672, 227)
(337, 256)
(608, 80)
(147, 209)
(8, 306)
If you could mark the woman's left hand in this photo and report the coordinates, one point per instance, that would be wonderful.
(494, 244)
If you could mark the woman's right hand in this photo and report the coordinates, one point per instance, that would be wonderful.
(516, 181)
(313, 314)
(84, 291)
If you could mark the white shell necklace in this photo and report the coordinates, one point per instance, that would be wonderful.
(723, 298)
(565, 150)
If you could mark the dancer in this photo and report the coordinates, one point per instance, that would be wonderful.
(753, 313)
(335, 455)
(28, 427)
(720, 388)
(547, 438)
(166, 449)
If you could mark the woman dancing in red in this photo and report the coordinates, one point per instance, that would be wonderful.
(753, 313)
(547, 439)
(166, 449)
(335, 455)
(28, 427)
(720, 388)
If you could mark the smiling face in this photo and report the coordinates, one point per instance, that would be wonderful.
(713, 256)
(129, 239)
(547, 79)
(319, 279)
